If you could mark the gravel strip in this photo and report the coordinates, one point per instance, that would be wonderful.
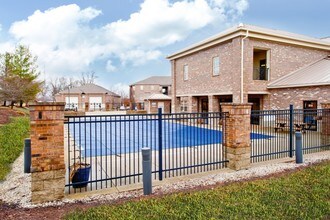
(15, 190)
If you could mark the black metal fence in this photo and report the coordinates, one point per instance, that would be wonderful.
(279, 127)
(105, 151)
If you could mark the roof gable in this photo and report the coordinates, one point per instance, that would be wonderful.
(254, 32)
(89, 89)
(155, 80)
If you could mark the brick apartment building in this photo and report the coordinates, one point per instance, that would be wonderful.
(269, 68)
(152, 93)
(89, 97)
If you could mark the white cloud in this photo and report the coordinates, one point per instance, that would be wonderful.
(65, 41)
(110, 67)
(121, 89)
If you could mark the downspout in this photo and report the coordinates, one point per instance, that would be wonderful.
(242, 65)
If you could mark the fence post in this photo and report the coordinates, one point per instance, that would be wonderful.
(27, 155)
(47, 151)
(160, 144)
(325, 126)
(237, 135)
(291, 132)
(146, 166)
(299, 150)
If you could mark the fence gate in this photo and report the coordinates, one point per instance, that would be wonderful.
(274, 135)
(105, 151)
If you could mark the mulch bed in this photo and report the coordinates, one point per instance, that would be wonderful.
(58, 212)
(6, 113)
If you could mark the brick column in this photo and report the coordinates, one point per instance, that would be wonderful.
(213, 104)
(192, 104)
(107, 106)
(325, 130)
(47, 151)
(86, 106)
(237, 135)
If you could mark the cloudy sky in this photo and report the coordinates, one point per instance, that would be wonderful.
(124, 41)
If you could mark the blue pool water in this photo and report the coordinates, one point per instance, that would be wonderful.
(105, 138)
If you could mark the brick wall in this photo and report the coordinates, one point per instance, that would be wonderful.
(47, 151)
(154, 107)
(138, 95)
(283, 60)
(282, 98)
(106, 98)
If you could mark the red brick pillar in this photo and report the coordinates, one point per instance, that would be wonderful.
(107, 106)
(86, 106)
(47, 151)
(237, 135)
(325, 124)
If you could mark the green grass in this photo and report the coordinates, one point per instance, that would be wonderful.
(11, 142)
(301, 195)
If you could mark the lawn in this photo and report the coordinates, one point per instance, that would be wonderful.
(304, 194)
(11, 142)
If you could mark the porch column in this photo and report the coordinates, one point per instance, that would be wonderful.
(325, 123)
(192, 104)
(47, 151)
(213, 104)
(237, 135)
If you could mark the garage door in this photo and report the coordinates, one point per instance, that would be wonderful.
(95, 103)
(71, 102)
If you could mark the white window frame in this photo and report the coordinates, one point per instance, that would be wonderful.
(141, 87)
(184, 106)
(185, 72)
(216, 66)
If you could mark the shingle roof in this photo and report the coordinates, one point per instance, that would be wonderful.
(315, 74)
(155, 80)
(89, 89)
(159, 97)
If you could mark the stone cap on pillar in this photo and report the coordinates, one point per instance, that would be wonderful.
(46, 111)
(236, 108)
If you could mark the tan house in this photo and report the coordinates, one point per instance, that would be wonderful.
(151, 93)
(89, 97)
(269, 68)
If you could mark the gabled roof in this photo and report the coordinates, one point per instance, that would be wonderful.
(155, 80)
(89, 89)
(159, 97)
(254, 32)
(315, 74)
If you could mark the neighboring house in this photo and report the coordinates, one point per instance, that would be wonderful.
(142, 94)
(268, 68)
(89, 97)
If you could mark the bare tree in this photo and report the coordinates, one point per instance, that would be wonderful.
(87, 78)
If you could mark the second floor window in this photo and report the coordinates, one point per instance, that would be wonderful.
(216, 66)
(185, 72)
(141, 87)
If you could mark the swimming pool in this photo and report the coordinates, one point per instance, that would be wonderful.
(129, 136)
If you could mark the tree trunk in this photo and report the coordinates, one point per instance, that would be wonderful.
(21, 103)
(4, 103)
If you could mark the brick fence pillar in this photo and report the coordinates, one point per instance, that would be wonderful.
(47, 151)
(237, 135)
(325, 130)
